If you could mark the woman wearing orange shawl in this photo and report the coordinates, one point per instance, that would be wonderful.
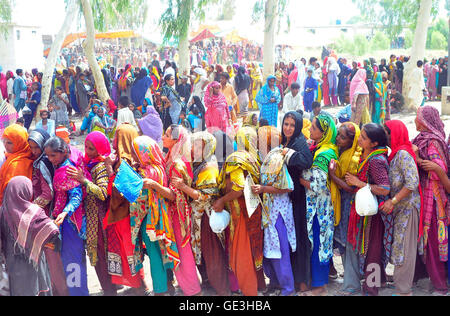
(245, 240)
(19, 159)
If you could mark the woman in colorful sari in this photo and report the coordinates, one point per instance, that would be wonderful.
(245, 240)
(333, 72)
(268, 98)
(23, 244)
(405, 203)
(217, 111)
(177, 140)
(359, 99)
(432, 146)
(349, 155)
(103, 123)
(121, 261)
(69, 213)
(208, 247)
(150, 222)
(319, 206)
(298, 158)
(379, 110)
(171, 100)
(42, 180)
(19, 158)
(369, 237)
(97, 148)
(277, 217)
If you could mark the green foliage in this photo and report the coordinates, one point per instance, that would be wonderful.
(393, 14)
(358, 45)
(409, 39)
(438, 41)
(5, 16)
(228, 10)
(441, 27)
(379, 42)
(259, 11)
(176, 19)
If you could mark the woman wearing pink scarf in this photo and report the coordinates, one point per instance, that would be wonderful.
(359, 98)
(217, 111)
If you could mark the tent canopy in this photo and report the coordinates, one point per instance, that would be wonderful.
(202, 36)
(74, 36)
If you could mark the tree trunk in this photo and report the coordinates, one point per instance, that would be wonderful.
(72, 12)
(183, 45)
(88, 46)
(269, 37)
(417, 52)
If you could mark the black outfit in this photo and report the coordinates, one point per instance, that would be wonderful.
(298, 161)
(184, 90)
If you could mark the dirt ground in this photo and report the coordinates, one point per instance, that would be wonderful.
(423, 287)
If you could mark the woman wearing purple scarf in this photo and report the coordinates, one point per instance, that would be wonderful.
(25, 230)
(431, 145)
(151, 125)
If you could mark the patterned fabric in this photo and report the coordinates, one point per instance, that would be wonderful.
(68, 198)
(318, 203)
(373, 170)
(403, 173)
(274, 173)
(96, 206)
(151, 205)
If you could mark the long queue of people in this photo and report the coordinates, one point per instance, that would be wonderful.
(59, 205)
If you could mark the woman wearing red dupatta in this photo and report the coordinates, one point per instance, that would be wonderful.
(405, 203)
(177, 140)
(370, 236)
(431, 145)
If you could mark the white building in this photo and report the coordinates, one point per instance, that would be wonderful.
(22, 48)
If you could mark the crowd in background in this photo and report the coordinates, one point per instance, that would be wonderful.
(182, 169)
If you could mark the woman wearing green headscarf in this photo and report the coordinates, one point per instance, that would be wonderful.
(320, 192)
(379, 107)
(369, 69)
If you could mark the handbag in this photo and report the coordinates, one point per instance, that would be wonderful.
(26, 110)
(366, 204)
(128, 182)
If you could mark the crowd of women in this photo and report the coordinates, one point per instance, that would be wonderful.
(60, 206)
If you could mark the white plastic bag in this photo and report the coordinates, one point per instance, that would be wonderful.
(219, 221)
(366, 202)
(251, 200)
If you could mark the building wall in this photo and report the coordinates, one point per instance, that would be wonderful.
(23, 48)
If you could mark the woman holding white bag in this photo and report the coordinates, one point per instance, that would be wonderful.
(370, 236)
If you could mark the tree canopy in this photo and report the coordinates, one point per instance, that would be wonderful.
(5, 15)
(394, 15)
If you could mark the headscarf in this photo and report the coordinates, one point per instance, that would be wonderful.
(247, 140)
(20, 161)
(101, 143)
(151, 124)
(429, 117)
(159, 227)
(400, 141)
(112, 107)
(125, 134)
(28, 224)
(198, 103)
(181, 150)
(40, 137)
(224, 146)
(369, 69)
(208, 153)
(348, 162)
(212, 100)
(269, 135)
(358, 84)
(326, 150)
(122, 81)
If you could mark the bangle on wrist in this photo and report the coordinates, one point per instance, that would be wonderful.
(394, 201)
